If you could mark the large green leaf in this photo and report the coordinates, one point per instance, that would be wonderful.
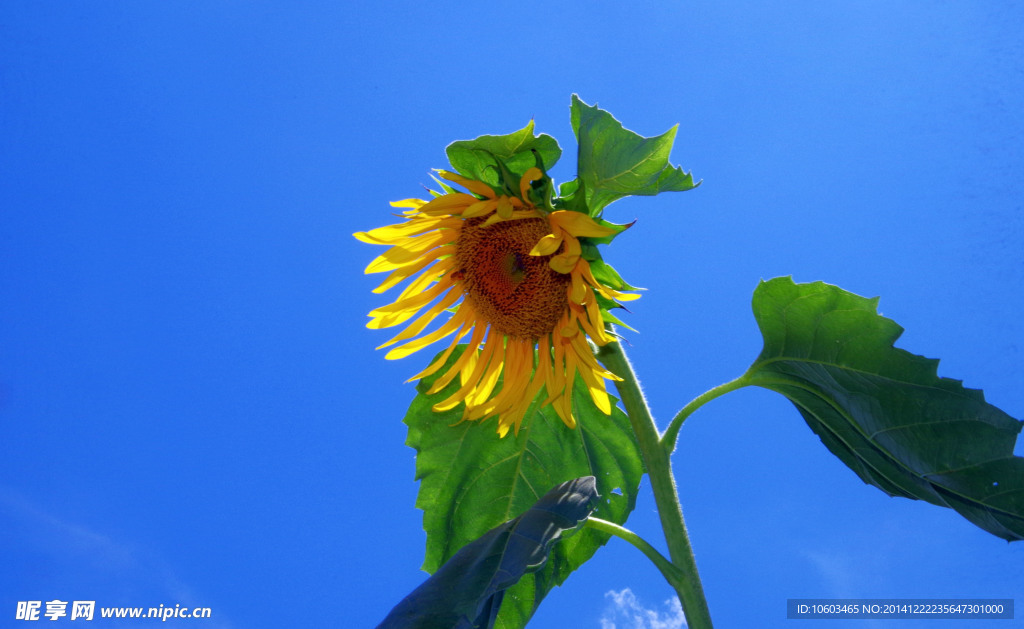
(884, 411)
(485, 157)
(614, 162)
(468, 589)
(471, 480)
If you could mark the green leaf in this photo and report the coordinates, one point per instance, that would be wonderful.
(614, 162)
(472, 480)
(479, 159)
(884, 411)
(467, 590)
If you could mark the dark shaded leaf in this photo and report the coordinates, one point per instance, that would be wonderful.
(467, 590)
(472, 480)
(884, 411)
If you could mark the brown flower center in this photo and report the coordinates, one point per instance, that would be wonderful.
(518, 294)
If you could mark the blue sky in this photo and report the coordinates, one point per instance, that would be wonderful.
(193, 412)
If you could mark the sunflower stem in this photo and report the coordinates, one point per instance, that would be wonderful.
(657, 461)
(671, 434)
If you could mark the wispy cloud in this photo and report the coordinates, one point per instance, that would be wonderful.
(837, 576)
(625, 611)
(125, 564)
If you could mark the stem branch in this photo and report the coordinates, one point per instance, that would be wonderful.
(668, 570)
(671, 434)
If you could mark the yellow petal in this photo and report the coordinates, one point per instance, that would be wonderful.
(594, 383)
(422, 322)
(453, 203)
(579, 224)
(518, 391)
(399, 256)
(469, 385)
(563, 406)
(557, 370)
(469, 353)
(572, 245)
(518, 214)
(531, 174)
(518, 411)
(518, 368)
(472, 185)
(479, 208)
(416, 345)
(610, 293)
(395, 234)
(411, 203)
(564, 402)
(461, 317)
(563, 263)
(593, 323)
(566, 262)
(578, 289)
(588, 360)
(367, 238)
(504, 207)
(483, 389)
(415, 287)
(402, 273)
(435, 273)
(544, 366)
(410, 304)
(546, 245)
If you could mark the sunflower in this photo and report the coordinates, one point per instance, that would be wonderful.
(513, 278)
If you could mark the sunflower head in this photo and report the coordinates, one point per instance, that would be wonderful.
(508, 274)
(492, 260)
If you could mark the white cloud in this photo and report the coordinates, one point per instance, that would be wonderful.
(624, 611)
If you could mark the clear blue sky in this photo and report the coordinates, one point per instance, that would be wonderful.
(193, 411)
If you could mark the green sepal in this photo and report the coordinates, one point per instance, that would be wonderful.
(607, 275)
(486, 157)
(605, 240)
(570, 198)
(568, 189)
(607, 305)
(540, 190)
(608, 317)
(444, 185)
(602, 271)
(614, 162)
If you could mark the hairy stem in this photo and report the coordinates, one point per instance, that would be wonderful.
(668, 570)
(659, 468)
(671, 434)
